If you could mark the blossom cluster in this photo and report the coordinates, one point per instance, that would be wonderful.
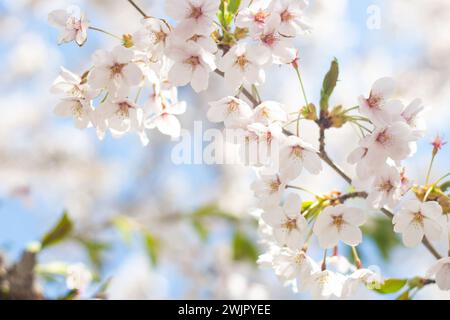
(241, 46)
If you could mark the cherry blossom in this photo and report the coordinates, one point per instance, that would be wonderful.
(412, 115)
(121, 116)
(288, 224)
(80, 110)
(391, 141)
(192, 65)
(386, 189)
(254, 17)
(230, 110)
(339, 223)
(296, 155)
(290, 16)
(115, 71)
(152, 37)
(269, 189)
(325, 284)
(377, 107)
(280, 48)
(268, 112)
(194, 16)
(294, 265)
(76, 102)
(163, 106)
(243, 65)
(78, 277)
(441, 271)
(361, 278)
(72, 23)
(418, 219)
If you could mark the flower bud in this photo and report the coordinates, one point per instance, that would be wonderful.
(127, 40)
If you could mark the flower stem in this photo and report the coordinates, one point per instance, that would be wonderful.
(105, 32)
(429, 168)
(324, 262)
(299, 76)
(356, 257)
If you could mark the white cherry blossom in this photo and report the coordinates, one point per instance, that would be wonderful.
(192, 65)
(78, 277)
(194, 16)
(441, 272)
(230, 110)
(152, 37)
(412, 115)
(289, 225)
(325, 284)
(80, 110)
(386, 189)
(76, 102)
(418, 219)
(280, 48)
(296, 155)
(268, 112)
(339, 222)
(115, 71)
(72, 24)
(378, 107)
(294, 265)
(290, 16)
(392, 141)
(253, 17)
(269, 189)
(243, 65)
(163, 107)
(361, 278)
(120, 116)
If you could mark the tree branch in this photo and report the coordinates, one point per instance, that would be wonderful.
(324, 156)
(138, 8)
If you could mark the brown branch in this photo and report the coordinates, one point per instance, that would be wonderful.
(138, 8)
(324, 156)
(322, 123)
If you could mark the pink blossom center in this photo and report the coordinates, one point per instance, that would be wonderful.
(383, 137)
(338, 221)
(242, 62)
(116, 68)
(286, 16)
(196, 12)
(269, 39)
(374, 101)
(193, 61)
(290, 224)
(260, 16)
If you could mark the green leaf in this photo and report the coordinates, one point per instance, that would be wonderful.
(233, 6)
(329, 83)
(152, 246)
(95, 250)
(391, 286)
(243, 248)
(200, 228)
(306, 205)
(125, 227)
(404, 296)
(445, 186)
(59, 232)
(380, 231)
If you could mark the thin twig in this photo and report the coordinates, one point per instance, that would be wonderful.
(324, 156)
(138, 8)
